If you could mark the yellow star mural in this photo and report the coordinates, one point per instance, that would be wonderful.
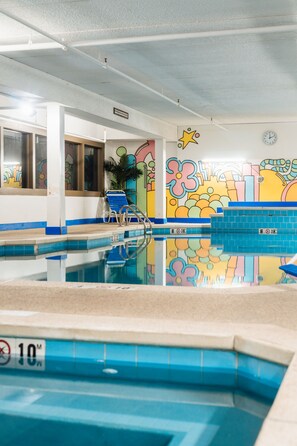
(187, 138)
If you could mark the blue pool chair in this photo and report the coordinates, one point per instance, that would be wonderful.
(122, 211)
(116, 199)
(116, 256)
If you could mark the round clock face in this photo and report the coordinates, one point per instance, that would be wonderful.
(269, 137)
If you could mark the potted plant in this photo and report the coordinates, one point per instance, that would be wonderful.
(120, 172)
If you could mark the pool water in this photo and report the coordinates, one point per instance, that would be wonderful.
(45, 409)
(191, 262)
(199, 261)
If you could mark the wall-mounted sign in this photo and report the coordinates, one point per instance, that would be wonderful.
(121, 113)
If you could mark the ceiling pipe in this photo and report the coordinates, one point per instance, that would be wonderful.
(183, 36)
(104, 65)
(56, 43)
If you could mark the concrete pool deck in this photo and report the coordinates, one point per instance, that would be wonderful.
(261, 321)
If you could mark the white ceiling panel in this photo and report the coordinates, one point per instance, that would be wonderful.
(250, 74)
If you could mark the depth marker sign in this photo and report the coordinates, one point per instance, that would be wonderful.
(5, 352)
(22, 353)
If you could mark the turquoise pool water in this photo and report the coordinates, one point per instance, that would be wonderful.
(237, 260)
(64, 392)
(192, 262)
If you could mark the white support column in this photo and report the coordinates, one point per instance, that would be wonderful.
(55, 170)
(160, 181)
(56, 269)
(160, 261)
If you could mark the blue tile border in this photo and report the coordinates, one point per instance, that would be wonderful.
(161, 363)
(22, 225)
(56, 230)
(42, 224)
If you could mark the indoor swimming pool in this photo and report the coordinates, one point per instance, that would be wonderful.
(221, 260)
(89, 393)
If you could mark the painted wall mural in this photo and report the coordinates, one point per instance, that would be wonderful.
(196, 188)
(189, 136)
(12, 175)
(143, 189)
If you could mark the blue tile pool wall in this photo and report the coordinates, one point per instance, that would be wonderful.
(238, 243)
(76, 245)
(45, 248)
(182, 230)
(171, 364)
(251, 220)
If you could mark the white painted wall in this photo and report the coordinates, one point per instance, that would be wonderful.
(22, 208)
(83, 207)
(243, 141)
(18, 209)
(238, 141)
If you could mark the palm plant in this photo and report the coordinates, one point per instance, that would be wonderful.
(121, 171)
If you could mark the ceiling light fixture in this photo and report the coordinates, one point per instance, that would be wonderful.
(27, 109)
(223, 160)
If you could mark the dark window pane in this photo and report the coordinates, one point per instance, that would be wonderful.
(71, 165)
(15, 155)
(41, 162)
(91, 168)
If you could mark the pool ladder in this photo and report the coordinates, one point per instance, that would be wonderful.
(125, 216)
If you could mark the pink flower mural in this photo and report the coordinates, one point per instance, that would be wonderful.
(181, 274)
(181, 177)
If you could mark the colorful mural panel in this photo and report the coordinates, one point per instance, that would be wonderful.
(197, 189)
(12, 175)
(142, 190)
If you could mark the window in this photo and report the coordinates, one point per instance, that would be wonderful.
(71, 165)
(17, 159)
(91, 167)
(40, 162)
(23, 159)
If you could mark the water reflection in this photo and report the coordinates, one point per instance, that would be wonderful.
(219, 261)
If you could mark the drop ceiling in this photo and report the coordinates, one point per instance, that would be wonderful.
(176, 60)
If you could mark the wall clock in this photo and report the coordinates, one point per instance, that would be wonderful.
(269, 137)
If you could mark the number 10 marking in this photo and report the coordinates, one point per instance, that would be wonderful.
(31, 350)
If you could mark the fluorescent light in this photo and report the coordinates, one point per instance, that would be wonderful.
(223, 160)
(29, 47)
(27, 109)
(91, 138)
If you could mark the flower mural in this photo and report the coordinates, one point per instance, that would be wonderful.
(181, 177)
(181, 274)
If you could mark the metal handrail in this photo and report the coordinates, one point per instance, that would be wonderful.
(141, 217)
(145, 242)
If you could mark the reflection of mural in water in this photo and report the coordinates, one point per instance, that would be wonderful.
(194, 262)
(41, 174)
(69, 172)
(12, 176)
(181, 274)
